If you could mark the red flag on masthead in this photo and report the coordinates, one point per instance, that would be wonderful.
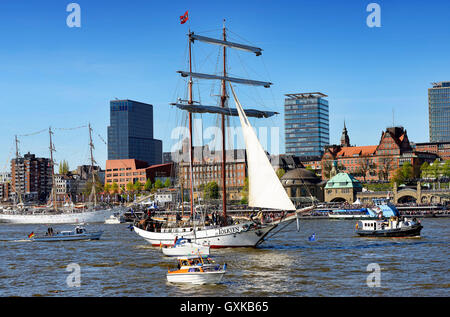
(184, 18)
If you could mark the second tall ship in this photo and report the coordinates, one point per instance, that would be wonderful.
(51, 214)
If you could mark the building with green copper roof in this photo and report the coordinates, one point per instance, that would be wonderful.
(342, 187)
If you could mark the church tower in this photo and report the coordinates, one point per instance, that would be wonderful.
(345, 140)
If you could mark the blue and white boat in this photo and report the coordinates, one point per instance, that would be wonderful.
(360, 213)
(79, 233)
(388, 222)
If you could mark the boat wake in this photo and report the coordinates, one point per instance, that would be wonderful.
(15, 240)
(352, 247)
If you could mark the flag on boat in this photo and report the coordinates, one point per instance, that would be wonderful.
(184, 18)
(31, 235)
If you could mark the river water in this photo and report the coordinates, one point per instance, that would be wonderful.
(335, 264)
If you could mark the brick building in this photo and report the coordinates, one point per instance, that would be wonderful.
(442, 149)
(125, 171)
(207, 167)
(374, 162)
(31, 176)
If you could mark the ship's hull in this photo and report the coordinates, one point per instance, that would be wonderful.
(97, 216)
(196, 277)
(71, 237)
(349, 217)
(240, 235)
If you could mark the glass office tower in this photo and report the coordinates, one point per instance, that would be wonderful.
(306, 124)
(439, 112)
(130, 134)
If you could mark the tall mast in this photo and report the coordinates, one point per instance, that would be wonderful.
(91, 146)
(223, 100)
(222, 109)
(53, 192)
(17, 188)
(191, 151)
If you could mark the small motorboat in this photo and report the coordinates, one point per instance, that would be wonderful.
(79, 233)
(196, 270)
(185, 247)
(114, 219)
(393, 227)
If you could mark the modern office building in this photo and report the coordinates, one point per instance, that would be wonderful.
(439, 112)
(130, 134)
(306, 124)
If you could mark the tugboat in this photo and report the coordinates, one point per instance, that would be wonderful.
(394, 227)
(196, 270)
(79, 233)
(388, 224)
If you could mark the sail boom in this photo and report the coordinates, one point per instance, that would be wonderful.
(225, 111)
(238, 46)
(226, 78)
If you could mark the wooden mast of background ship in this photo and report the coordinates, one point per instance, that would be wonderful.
(17, 188)
(53, 192)
(91, 147)
(223, 110)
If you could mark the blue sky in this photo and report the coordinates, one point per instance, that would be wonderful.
(53, 75)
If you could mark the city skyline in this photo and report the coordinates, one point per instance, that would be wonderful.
(65, 77)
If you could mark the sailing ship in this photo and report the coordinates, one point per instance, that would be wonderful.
(265, 189)
(51, 214)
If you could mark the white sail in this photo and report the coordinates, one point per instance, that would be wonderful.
(265, 189)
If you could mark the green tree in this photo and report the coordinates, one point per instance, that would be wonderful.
(158, 184)
(130, 187)
(407, 171)
(148, 185)
(137, 186)
(167, 183)
(244, 192)
(211, 191)
(107, 188)
(115, 188)
(403, 174)
(424, 170)
(446, 169)
(63, 167)
(98, 186)
(280, 172)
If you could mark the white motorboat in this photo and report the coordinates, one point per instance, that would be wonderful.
(114, 219)
(196, 270)
(79, 233)
(185, 247)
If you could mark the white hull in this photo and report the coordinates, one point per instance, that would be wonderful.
(196, 277)
(96, 216)
(331, 216)
(186, 250)
(220, 237)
